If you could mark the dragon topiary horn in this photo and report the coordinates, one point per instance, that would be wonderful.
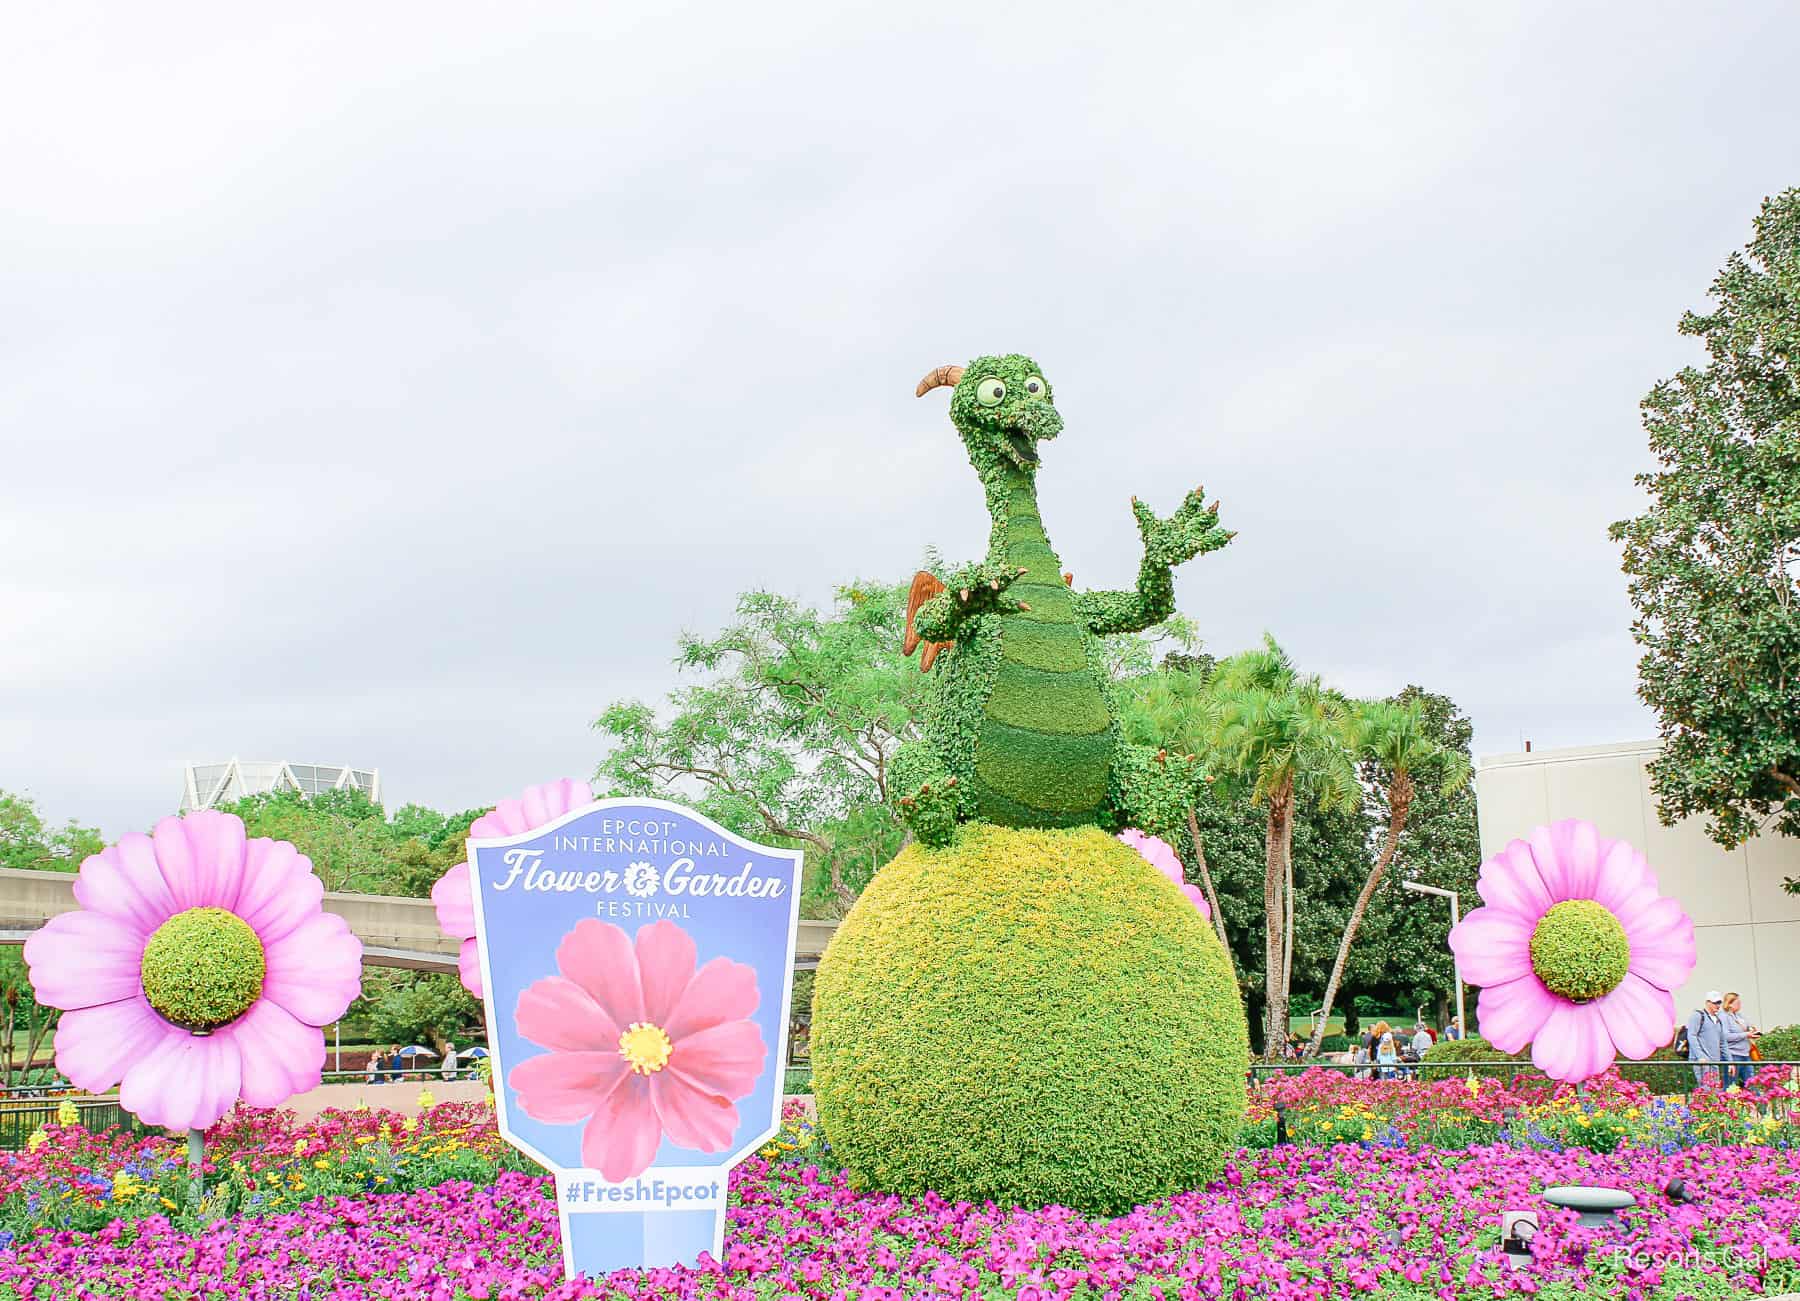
(939, 378)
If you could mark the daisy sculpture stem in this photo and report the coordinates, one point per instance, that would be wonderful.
(197, 1165)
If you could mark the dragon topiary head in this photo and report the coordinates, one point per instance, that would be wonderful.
(1002, 407)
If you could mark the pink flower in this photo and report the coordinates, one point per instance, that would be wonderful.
(1161, 855)
(1575, 950)
(454, 892)
(641, 1045)
(197, 971)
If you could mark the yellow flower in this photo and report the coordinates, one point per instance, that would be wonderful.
(38, 1139)
(321, 1165)
(410, 1124)
(299, 1147)
(166, 1202)
(67, 1113)
(425, 1099)
(362, 1139)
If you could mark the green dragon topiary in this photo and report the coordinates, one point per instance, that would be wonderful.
(1020, 731)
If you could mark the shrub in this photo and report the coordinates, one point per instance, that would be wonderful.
(1335, 1043)
(1031, 1016)
(1781, 1044)
(1663, 1072)
(1446, 1057)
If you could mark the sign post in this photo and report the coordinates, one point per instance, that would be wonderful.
(638, 961)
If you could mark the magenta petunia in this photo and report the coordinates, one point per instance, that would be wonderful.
(198, 971)
(1161, 855)
(454, 892)
(1576, 951)
(641, 1043)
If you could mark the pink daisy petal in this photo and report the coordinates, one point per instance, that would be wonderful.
(1492, 946)
(1510, 1015)
(1623, 874)
(599, 957)
(187, 1081)
(1639, 1017)
(665, 960)
(692, 1117)
(1510, 881)
(454, 898)
(1663, 950)
(96, 1045)
(720, 991)
(279, 1055)
(84, 959)
(202, 858)
(725, 1059)
(315, 971)
(622, 1138)
(1573, 1045)
(468, 966)
(279, 889)
(561, 1015)
(126, 885)
(564, 1088)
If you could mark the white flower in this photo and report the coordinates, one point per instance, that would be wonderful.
(641, 879)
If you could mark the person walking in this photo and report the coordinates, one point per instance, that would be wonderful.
(1387, 1051)
(1706, 1040)
(375, 1064)
(1740, 1041)
(450, 1062)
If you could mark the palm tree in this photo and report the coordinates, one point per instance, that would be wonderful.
(1171, 710)
(1278, 736)
(1394, 738)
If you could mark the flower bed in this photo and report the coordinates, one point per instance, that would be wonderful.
(1305, 1220)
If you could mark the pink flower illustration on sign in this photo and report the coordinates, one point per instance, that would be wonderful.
(1161, 855)
(641, 1043)
(1575, 950)
(454, 893)
(197, 971)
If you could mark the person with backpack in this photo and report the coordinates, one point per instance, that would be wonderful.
(1705, 1031)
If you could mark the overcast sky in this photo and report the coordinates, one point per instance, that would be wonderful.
(390, 384)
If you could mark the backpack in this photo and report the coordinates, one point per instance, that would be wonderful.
(1680, 1046)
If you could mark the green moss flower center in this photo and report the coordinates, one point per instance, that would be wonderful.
(203, 968)
(1580, 951)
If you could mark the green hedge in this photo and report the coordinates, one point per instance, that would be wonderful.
(1445, 1058)
(1032, 1016)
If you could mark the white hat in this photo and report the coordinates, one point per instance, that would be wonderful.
(1714, 996)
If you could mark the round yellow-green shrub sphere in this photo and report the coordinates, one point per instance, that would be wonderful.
(1032, 1016)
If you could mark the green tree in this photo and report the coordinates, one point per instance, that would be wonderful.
(1280, 738)
(1714, 561)
(28, 843)
(1403, 956)
(789, 733)
(1399, 741)
(416, 1007)
(352, 844)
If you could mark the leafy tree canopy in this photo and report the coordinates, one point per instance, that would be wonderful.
(1714, 562)
(786, 733)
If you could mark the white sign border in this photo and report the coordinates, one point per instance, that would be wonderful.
(797, 857)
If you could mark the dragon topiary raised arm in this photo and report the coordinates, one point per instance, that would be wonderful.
(1020, 731)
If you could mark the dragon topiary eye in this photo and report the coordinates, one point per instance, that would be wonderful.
(1035, 386)
(990, 392)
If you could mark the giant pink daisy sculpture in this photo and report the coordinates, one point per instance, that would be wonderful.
(1575, 950)
(198, 970)
(641, 1045)
(454, 893)
(1162, 856)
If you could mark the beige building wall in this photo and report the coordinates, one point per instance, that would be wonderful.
(1747, 926)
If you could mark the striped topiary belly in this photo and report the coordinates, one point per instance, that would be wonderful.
(1046, 740)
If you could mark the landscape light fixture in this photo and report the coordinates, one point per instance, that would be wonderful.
(1419, 887)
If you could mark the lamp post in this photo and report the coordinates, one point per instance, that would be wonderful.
(1419, 887)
